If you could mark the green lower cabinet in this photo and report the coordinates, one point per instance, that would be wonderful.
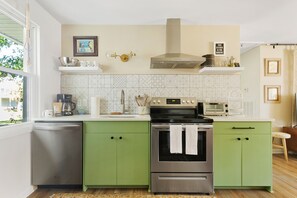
(132, 164)
(256, 161)
(100, 159)
(227, 158)
(114, 158)
(242, 155)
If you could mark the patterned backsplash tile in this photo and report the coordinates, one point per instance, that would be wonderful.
(214, 88)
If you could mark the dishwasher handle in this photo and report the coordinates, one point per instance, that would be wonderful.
(55, 127)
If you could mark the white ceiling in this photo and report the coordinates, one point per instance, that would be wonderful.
(261, 21)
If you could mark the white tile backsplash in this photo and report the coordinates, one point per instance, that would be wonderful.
(80, 81)
(132, 81)
(170, 81)
(145, 81)
(119, 81)
(108, 87)
(183, 81)
(93, 81)
(157, 81)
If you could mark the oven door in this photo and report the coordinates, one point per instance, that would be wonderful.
(164, 161)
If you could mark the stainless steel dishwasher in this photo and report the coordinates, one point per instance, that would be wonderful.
(57, 153)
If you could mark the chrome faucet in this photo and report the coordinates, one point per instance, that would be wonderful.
(123, 101)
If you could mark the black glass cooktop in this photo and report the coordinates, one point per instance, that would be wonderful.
(174, 119)
(177, 115)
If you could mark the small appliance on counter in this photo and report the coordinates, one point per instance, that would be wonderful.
(67, 105)
(213, 108)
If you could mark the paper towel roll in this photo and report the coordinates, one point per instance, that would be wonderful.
(95, 106)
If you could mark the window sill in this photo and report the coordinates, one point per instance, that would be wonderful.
(15, 130)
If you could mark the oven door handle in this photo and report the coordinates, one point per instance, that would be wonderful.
(182, 178)
(166, 126)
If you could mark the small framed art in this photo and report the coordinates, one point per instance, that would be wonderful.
(219, 48)
(272, 67)
(272, 93)
(85, 46)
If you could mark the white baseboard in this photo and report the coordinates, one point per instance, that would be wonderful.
(27, 192)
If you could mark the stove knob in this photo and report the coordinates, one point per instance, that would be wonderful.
(188, 101)
(154, 102)
(192, 101)
(184, 101)
(159, 101)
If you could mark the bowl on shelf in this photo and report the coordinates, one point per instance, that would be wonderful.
(68, 61)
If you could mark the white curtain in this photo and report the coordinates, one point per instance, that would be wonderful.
(27, 44)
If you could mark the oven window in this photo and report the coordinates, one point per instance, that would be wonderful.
(164, 148)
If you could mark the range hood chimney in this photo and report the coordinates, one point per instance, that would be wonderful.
(173, 58)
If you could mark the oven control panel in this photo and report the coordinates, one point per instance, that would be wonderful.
(173, 102)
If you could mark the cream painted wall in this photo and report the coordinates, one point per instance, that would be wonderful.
(251, 88)
(281, 112)
(147, 41)
(253, 80)
(199, 40)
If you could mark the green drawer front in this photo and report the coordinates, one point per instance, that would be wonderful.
(242, 127)
(116, 127)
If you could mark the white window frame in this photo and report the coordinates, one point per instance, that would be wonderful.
(32, 73)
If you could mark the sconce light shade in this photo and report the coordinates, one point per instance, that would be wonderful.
(123, 57)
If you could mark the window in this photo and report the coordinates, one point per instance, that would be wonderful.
(12, 98)
(15, 78)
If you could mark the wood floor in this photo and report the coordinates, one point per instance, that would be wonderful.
(284, 185)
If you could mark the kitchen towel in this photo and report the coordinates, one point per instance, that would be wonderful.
(191, 140)
(176, 139)
(95, 106)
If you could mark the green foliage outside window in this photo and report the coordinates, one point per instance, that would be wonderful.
(12, 85)
(13, 60)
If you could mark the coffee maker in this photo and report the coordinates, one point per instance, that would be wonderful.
(67, 105)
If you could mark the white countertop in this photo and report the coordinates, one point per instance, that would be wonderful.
(99, 118)
(239, 118)
(147, 118)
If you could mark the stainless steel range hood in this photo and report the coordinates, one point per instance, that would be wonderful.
(173, 58)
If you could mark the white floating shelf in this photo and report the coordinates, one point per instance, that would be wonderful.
(80, 70)
(221, 70)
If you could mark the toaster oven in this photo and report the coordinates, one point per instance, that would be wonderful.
(213, 108)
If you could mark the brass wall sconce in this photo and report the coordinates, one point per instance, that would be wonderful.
(123, 57)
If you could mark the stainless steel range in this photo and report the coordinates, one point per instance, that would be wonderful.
(180, 172)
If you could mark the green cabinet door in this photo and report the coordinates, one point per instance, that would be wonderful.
(227, 160)
(132, 159)
(256, 160)
(99, 159)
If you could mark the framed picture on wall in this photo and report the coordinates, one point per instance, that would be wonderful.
(272, 67)
(85, 46)
(272, 93)
(219, 48)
